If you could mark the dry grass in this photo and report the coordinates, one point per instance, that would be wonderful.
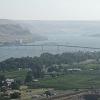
(26, 94)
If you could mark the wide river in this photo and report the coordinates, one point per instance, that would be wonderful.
(18, 51)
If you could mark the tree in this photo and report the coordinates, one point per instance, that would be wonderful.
(15, 86)
(28, 77)
(15, 95)
(2, 80)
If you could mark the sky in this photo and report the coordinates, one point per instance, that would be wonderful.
(50, 9)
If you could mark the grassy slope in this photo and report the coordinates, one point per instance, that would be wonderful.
(15, 74)
(73, 81)
(69, 81)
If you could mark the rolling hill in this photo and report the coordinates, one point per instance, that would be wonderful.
(12, 32)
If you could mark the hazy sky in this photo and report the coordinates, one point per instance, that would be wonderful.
(50, 9)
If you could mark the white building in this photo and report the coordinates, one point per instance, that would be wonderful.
(9, 81)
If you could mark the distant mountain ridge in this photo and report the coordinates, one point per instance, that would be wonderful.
(83, 28)
(36, 30)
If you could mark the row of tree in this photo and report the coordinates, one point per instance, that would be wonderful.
(47, 59)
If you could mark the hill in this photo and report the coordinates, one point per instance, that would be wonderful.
(82, 28)
(12, 32)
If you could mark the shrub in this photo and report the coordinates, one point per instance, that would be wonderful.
(15, 95)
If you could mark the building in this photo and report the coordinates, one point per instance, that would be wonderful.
(9, 81)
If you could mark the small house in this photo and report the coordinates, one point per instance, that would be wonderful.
(9, 81)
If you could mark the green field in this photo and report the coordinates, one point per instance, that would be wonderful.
(77, 80)
(73, 81)
(15, 74)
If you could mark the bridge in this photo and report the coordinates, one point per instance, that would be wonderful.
(40, 45)
(42, 48)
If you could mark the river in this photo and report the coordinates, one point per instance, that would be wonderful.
(68, 39)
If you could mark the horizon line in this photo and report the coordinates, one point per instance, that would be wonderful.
(48, 19)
